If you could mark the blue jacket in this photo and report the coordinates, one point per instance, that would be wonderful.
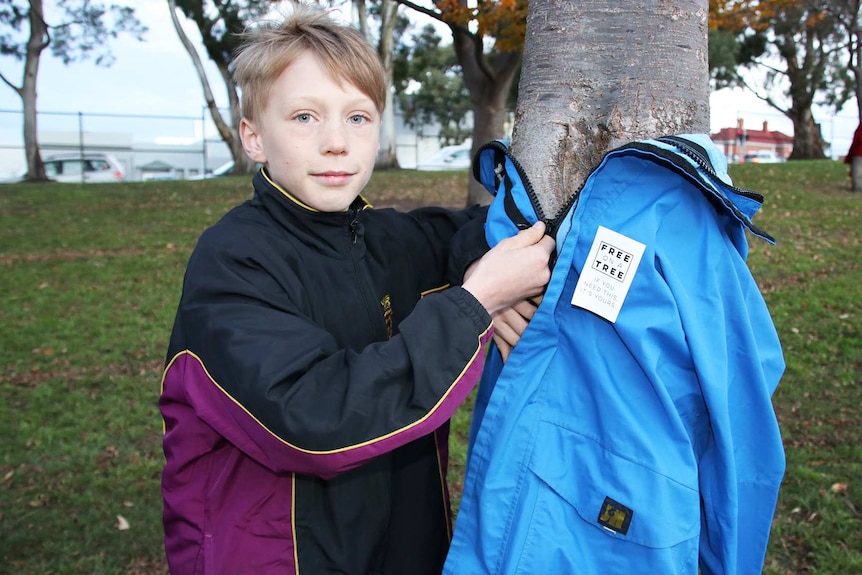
(631, 430)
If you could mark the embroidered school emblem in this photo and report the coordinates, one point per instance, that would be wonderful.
(615, 516)
(387, 315)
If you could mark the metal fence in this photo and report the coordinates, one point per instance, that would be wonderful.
(147, 145)
(151, 146)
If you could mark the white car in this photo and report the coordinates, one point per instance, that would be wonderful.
(763, 157)
(76, 168)
(448, 158)
(225, 169)
(87, 168)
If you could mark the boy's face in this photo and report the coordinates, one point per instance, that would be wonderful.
(318, 139)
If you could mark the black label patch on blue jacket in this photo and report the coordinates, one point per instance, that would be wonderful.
(615, 516)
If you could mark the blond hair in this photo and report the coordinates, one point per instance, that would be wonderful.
(269, 48)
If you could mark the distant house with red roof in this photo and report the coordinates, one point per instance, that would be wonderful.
(738, 141)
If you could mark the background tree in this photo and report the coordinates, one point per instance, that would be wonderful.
(220, 22)
(600, 73)
(80, 30)
(488, 74)
(386, 14)
(848, 15)
(430, 86)
(798, 48)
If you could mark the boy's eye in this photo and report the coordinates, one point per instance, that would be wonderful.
(357, 119)
(303, 118)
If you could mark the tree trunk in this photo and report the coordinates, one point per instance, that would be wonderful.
(805, 72)
(600, 73)
(807, 138)
(850, 15)
(229, 132)
(37, 42)
(488, 83)
(387, 156)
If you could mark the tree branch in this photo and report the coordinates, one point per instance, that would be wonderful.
(11, 85)
(196, 60)
(427, 11)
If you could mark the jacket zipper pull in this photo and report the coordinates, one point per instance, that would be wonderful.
(354, 223)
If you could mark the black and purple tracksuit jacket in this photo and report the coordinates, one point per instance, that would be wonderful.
(313, 366)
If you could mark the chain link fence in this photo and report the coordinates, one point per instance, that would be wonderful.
(153, 146)
(150, 146)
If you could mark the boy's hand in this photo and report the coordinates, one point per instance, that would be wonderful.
(510, 323)
(512, 271)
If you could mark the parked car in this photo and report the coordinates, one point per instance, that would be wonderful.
(77, 168)
(89, 168)
(225, 169)
(763, 157)
(448, 158)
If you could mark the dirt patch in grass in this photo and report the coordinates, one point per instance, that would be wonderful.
(72, 375)
(73, 255)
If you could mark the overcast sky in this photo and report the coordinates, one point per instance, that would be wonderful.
(157, 77)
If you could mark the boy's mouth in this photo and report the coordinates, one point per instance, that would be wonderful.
(333, 178)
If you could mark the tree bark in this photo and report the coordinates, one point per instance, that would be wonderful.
(36, 43)
(600, 73)
(807, 138)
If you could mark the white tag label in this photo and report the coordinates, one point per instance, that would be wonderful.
(608, 273)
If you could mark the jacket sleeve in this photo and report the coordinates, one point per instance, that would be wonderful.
(738, 362)
(457, 237)
(258, 371)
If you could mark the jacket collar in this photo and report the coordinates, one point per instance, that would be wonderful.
(331, 232)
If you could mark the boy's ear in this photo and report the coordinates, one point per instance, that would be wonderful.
(251, 141)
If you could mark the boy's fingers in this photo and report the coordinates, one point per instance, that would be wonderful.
(529, 236)
(548, 243)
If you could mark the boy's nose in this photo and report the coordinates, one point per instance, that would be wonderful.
(333, 138)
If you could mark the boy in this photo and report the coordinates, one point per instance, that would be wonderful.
(309, 383)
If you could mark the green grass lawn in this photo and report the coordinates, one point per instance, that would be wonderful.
(90, 280)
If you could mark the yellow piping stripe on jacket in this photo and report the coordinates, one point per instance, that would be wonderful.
(442, 487)
(435, 290)
(296, 200)
(479, 349)
(293, 522)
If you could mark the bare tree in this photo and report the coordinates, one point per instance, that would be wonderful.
(601, 73)
(82, 31)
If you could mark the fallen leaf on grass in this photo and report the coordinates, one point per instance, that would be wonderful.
(122, 523)
(839, 488)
